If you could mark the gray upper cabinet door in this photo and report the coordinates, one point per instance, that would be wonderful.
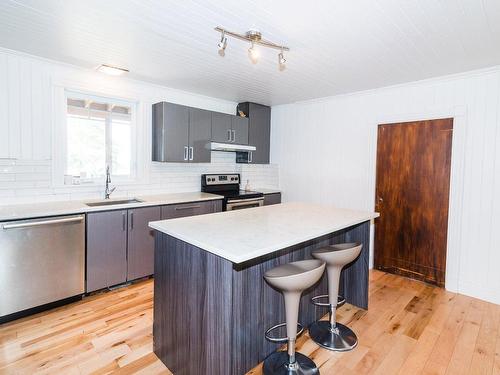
(190, 209)
(240, 129)
(200, 134)
(170, 132)
(259, 132)
(141, 244)
(221, 127)
(106, 249)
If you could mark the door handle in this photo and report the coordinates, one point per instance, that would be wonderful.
(38, 223)
(123, 222)
(131, 220)
(185, 152)
(191, 153)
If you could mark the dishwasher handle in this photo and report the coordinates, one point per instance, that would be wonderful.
(75, 219)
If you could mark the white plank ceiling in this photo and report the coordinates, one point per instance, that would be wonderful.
(336, 46)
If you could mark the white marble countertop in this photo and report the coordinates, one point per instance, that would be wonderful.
(32, 210)
(242, 235)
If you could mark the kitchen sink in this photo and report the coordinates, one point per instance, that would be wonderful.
(113, 202)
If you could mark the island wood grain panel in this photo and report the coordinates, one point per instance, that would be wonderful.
(412, 196)
(111, 333)
(211, 314)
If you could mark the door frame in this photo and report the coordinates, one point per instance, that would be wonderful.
(454, 234)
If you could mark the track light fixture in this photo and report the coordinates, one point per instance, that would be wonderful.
(255, 38)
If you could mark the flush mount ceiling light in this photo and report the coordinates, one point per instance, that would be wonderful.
(255, 38)
(111, 70)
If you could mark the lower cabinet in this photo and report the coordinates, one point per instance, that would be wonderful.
(273, 198)
(141, 242)
(120, 244)
(190, 209)
(106, 249)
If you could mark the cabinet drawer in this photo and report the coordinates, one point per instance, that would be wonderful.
(190, 209)
(273, 198)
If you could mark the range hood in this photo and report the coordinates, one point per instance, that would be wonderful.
(216, 146)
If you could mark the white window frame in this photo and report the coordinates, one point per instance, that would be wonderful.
(60, 137)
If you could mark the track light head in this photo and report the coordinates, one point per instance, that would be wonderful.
(253, 54)
(222, 45)
(281, 61)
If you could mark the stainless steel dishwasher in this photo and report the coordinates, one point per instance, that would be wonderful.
(41, 261)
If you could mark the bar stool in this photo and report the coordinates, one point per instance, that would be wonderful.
(330, 334)
(291, 280)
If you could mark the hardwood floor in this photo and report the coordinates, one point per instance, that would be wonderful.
(411, 328)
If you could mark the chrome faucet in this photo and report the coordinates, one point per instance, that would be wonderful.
(108, 191)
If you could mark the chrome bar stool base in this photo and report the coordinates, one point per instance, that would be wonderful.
(277, 364)
(339, 339)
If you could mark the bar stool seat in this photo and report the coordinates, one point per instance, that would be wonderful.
(291, 280)
(330, 334)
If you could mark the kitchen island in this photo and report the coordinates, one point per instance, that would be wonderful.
(211, 303)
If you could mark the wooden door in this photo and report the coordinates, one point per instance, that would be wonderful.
(141, 243)
(412, 193)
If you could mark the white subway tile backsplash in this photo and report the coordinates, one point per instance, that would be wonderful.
(22, 182)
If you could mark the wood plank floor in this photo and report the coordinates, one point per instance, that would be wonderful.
(411, 328)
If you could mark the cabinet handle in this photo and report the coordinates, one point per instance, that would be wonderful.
(229, 135)
(234, 135)
(250, 157)
(123, 222)
(131, 220)
(38, 223)
(186, 208)
(185, 152)
(191, 153)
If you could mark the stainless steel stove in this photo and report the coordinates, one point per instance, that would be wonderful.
(228, 185)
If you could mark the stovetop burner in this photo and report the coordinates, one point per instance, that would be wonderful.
(240, 194)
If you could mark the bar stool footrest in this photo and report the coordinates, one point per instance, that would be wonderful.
(300, 329)
(315, 302)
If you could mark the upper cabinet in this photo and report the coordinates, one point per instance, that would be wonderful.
(200, 133)
(170, 132)
(221, 127)
(259, 131)
(239, 128)
(181, 134)
(229, 128)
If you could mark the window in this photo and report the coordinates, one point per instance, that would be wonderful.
(99, 134)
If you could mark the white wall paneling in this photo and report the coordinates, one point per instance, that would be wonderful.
(173, 42)
(32, 140)
(326, 150)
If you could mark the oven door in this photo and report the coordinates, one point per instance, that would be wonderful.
(239, 204)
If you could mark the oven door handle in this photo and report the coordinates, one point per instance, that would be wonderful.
(240, 202)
